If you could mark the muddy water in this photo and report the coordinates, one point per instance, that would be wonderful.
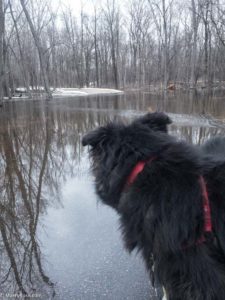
(56, 239)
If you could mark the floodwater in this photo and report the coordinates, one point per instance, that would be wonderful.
(56, 240)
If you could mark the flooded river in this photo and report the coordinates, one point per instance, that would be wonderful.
(56, 240)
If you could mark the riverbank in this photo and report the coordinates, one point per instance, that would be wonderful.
(21, 93)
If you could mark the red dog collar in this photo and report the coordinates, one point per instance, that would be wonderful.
(206, 206)
(138, 168)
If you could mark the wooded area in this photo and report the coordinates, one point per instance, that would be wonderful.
(117, 44)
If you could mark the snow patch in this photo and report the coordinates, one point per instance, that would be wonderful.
(59, 92)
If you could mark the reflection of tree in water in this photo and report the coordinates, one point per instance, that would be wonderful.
(24, 154)
(196, 134)
(39, 148)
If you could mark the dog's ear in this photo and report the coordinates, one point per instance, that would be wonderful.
(155, 121)
(94, 137)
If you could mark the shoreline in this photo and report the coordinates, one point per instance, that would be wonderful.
(63, 92)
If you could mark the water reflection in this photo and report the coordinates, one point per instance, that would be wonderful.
(24, 156)
(40, 151)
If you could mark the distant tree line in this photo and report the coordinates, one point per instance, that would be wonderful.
(118, 44)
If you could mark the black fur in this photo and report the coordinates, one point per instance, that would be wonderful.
(161, 213)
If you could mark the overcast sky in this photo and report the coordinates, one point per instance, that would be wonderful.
(75, 5)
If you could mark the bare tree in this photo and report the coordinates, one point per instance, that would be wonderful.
(22, 59)
(140, 40)
(205, 16)
(162, 14)
(112, 19)
(41, 50)
(195, 24)
(96, 47)
(2, 26)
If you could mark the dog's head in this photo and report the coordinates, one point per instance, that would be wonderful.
(116, 147)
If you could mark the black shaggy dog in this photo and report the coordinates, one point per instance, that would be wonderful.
(171, 200)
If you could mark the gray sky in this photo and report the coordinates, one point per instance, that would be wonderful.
(75, 5)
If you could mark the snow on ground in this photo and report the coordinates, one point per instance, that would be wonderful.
(67, 92)
(16, 98)
(59, 92)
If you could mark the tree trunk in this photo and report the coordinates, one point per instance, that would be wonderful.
(2, 23)
(40, 50)
(82, 49)
(114, 62)
(22, 62)
(165, 46)
(96, 52)
(113, 23)
(194, 45)
(206, 43)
